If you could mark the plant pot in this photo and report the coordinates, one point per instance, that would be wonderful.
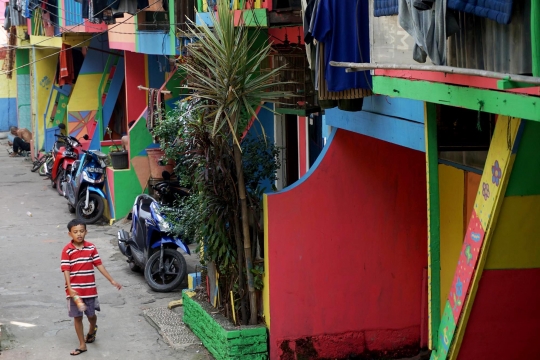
(223, 339)
(154, 161)
(119, 159)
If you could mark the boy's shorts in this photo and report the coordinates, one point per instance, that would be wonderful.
(92, 305)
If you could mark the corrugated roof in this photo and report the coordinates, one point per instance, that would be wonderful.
(484, 44)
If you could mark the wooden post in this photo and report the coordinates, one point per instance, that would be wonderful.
(434, 225)
(535, 37)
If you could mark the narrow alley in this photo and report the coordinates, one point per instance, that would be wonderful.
(33, 313)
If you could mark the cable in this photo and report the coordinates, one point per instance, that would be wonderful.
(82, 42)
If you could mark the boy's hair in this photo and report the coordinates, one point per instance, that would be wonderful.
(76, 222)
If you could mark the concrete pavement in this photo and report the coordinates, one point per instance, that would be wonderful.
(33, 311)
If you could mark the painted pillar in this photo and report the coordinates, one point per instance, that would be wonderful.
(44, 70)
(535, 37)
(8, 100)
(303, 162)
(434, 255)
(475, 247)
(24, 109)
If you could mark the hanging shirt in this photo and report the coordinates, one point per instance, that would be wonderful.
(336, 26)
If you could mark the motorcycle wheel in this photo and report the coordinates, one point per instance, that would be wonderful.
(59, 180)
(71, 209)
(173, 273)
(134, 268)
(94, 211)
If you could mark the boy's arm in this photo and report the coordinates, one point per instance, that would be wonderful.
(105, 273)
(68, 282)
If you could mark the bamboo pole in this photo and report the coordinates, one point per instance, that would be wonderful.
(535, 80)
(535, 36)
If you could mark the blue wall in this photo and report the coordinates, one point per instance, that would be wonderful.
(8, 113)
(395, 120)
(154, 43)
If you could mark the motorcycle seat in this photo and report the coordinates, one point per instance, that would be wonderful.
(58, 146)
(144, 210)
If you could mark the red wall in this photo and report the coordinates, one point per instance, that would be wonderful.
(505, 317)
(136, 100)
(347, 247)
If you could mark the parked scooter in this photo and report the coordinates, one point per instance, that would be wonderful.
(83, 186)
(168, 190)
(150, 247)
(66, 150)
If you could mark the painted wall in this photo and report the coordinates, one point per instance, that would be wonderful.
(346, 248)
(136, 74)
(383, 118)
(505, 315)
(44, 70)
(122, 35)
(457, 191)
(24, 106)
(8, 99)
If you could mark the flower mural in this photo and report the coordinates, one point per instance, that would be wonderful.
(496, 173)
(485, 190)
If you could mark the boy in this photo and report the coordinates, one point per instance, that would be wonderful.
(78, 260)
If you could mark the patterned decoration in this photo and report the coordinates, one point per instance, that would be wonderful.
(485, 190)
(496, 173)
(466, 264)
(81, 123)
(446, 333)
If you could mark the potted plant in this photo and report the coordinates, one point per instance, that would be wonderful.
(119, 157)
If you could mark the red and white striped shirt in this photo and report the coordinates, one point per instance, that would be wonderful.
(80, 263)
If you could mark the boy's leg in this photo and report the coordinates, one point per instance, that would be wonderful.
(80, 331)
(93, 321)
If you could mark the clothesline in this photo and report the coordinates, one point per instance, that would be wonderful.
(140, 87)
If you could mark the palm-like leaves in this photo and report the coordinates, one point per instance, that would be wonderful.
(225, 69)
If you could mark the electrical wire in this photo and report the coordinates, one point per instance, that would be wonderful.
(76, 45)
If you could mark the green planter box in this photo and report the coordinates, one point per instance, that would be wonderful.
(220, 337)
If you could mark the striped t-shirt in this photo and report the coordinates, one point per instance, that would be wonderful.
(80, 263)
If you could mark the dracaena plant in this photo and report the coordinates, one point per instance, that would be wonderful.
(224, 71)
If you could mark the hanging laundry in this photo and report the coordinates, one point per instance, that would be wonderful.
(66, 74)
(429, 29)
(497, 10)
(385, 7)
(343, 27)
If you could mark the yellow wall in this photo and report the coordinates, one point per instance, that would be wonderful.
(8, 88)
(85, 93)
(452, 195)
(45, 71)
(516, 240)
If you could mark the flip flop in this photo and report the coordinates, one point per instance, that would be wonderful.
(77, 352)
(90, 338)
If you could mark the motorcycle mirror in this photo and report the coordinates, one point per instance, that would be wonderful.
(166, 175)
(62, 127)
(86, 137)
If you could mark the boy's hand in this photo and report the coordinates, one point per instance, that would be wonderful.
(72, 292)
(116, 285)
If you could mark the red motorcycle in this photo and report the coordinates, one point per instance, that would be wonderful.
(66, 150)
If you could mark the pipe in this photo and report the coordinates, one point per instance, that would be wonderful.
(353, 67)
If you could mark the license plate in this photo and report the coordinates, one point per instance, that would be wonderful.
(95, 170)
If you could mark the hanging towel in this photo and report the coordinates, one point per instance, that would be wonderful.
(429, 29)
(385, 7)
(497, 10)
(66, 73)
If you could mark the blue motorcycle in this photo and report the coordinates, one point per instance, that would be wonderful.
(152, 248)
(83, 186)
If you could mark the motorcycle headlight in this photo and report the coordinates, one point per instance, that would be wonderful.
(163, 224)
(88, 178)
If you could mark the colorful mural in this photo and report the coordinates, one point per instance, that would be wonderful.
(472, 257)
